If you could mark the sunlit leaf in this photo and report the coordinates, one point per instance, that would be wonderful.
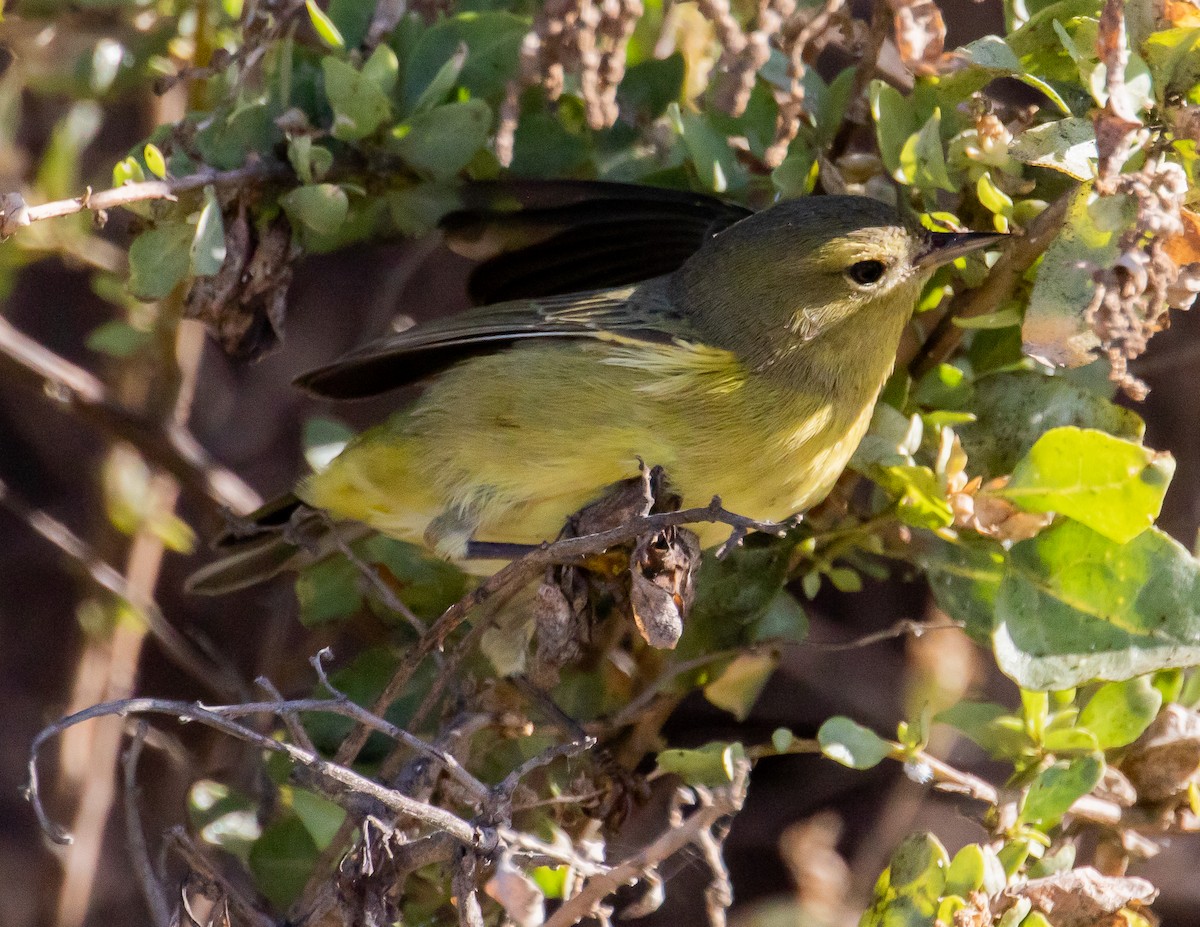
(1075, 606)
(324, 26)
(849, 743)
(1119, 711)
(1113, 486)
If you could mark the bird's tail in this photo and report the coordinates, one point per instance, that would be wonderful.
(284, 535)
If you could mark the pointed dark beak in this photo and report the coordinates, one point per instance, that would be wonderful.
(942, 247)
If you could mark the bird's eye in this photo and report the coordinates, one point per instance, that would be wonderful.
(864, 273)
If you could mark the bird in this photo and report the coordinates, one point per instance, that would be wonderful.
(743, 352)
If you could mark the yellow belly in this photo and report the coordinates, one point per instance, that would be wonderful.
(505, 447)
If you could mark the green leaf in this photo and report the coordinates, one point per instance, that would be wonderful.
(155, 161)
(417, 210)
(443, 141)
(117, 339)
(225, 143)
(992, 726)
(649, 86)
(1174, 59)
(909, 892)
(208, 245)
(1054, 325)
(733, 594)
(1075, 606)
(551, 880)
(493, 41)
(920, 498)
(783, 620)
(360, 102)
(362, 681)
(849, 743)
(943, 387)
(741, 683)
(282, 859)
(716, 165)
(159, 258)
(1066, 145)
(965, 578)
(1014, 409)
(922, 162)
(1113, 486)
(324, 438)
(442, 83)
(894, 120)
(1119, 711)
(544, 147)
(324, 26)
(320, 817)
(352, 18)
(320, 208)
(995, 58)
(1058, 787)
(967, 870)
(711, 765)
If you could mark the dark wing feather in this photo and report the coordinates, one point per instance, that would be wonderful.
(552, 237)
(642, 312)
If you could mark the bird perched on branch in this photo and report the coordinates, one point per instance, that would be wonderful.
(741, 352)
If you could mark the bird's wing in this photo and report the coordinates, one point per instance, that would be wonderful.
(543, 238)
(635, 313)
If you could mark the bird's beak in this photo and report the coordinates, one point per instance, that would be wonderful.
(942, 247)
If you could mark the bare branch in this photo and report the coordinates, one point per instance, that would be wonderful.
(152, 891)
(466, 893)
(290, 717)
(199, 864)
(567, 551)
(902, 628)
(16, 214)
(351, 781)
(712, 806)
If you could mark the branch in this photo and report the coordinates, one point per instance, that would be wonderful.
(713, 806)
(152, 891)
(170, 446)
(15, 213)
(356, 784)
(564, 552)
(197, 862)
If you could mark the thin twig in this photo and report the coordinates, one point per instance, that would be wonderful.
(566, 551)
(351, 709)
(385, 592)
(902, 628)
(291, 719)
(712, 807)
(198, 863)
(466, 893)
(17, 214)
(187, 711)
(152, 891)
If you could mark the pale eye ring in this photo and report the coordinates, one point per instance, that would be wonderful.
(866, 273)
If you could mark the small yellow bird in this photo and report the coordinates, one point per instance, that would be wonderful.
(749, 372)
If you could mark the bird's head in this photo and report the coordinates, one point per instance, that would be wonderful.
(805, 267)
